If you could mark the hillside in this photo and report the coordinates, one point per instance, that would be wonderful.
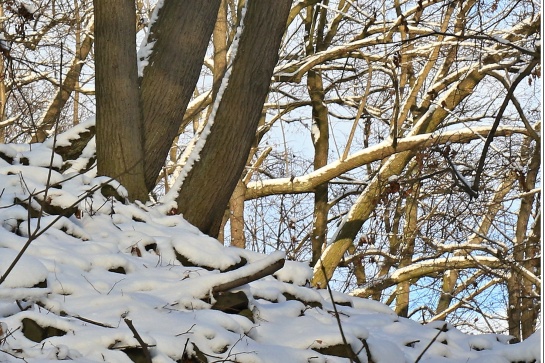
(104, 280)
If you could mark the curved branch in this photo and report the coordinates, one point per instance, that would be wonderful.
(426, 268)
(307, 183)
(523, 73)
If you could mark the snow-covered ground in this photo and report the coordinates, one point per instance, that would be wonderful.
(104, 280)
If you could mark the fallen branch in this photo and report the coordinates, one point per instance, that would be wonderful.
(248, 275)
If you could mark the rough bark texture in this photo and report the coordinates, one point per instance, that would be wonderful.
(236, 215)
(213, 178)
(119, 146)
(181, 36)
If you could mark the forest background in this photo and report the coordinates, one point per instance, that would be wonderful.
(396, 147)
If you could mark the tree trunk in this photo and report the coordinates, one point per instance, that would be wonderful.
(119, 133)
(320, 124)
(209, 184)
(66, 89)
(410, 231)
(236, 215)
(180, 37)
(522, 300)
(314, 29)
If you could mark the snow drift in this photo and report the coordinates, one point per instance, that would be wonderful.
(104, 280)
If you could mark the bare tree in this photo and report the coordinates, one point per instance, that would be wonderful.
(395, 146)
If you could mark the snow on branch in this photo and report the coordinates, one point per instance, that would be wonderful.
(307, 183)
(192, 153)
(425, 268)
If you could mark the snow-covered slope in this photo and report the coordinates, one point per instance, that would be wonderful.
(104, 280)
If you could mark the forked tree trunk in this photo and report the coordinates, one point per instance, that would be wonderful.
(180, 37)
(214, 176)
(138, 119)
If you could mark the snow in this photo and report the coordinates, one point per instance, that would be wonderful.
(73, 133)
(28, 272)
(295, 272)
(106, 260)
(30, 7)
(315, 132)
(146, 47)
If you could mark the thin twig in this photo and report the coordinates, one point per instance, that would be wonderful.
(351, 355)
(143, 344)
(85, 320)
(443, 328)
(38, 232)
(52, 157)
(185, 347)
(525, 72)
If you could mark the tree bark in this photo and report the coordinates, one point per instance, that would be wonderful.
(321, 149)
(307, 183)
(212, 179)
(406, 251)
(521, 311)
(180, 37)
(119, 133)
(315, 23)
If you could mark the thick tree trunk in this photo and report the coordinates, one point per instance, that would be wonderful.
(209, 184)
(180, 37)
(119, 134)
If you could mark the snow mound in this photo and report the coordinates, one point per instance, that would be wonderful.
(104, 280)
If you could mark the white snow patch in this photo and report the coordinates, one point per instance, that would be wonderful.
(28, 272)
(146, 47)
(298, 273)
